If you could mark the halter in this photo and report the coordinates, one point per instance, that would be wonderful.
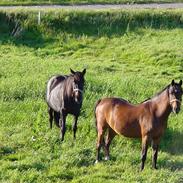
(175, 100)
(77, 89)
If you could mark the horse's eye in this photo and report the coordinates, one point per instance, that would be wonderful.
(172, 92)
(177, 91)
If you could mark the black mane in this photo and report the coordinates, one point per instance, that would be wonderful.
(157, 94)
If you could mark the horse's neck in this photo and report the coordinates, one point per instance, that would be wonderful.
(68, 91)
(161, 105)
(68, 87)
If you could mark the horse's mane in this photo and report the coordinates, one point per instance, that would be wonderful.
(157, 94)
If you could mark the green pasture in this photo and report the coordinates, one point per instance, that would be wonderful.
(37, 2)
(132, 55)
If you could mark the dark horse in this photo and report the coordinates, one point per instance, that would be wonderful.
(64, 96)
(147, 120)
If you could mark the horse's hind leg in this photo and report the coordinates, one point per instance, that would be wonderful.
(50, 112)
(101, 128)
(57, 118)
(99, 145)
(110, 135)
(62, 121)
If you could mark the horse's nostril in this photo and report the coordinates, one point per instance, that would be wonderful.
(79, 99)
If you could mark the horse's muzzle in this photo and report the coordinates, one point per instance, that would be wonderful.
(78, 100)
(176, 111)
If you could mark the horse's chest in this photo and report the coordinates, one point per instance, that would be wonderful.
(158, 128)
(128, 129)
(72, 108)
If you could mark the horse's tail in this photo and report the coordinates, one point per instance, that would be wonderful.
(97, 103)
(57, 118)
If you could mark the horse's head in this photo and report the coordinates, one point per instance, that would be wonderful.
(175, 95)
(78, 85)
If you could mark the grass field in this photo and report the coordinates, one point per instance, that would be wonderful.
(34, 2)
(133, 60)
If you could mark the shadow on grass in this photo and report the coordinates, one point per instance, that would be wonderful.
(6, 151)
(22, 28)
(172, 142)
(13, 30)
(84, 158)
(9, 153)
(29, 39)
(62, 176)
(167, 163)
(38, 166)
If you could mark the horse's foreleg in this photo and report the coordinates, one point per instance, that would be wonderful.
(50, 112)
(75, 126)
(144, 151)
(155, 145)
(62, 121)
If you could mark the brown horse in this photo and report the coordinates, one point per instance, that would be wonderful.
(64, 96)
(147, 120)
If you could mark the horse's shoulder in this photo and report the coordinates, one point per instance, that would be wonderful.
(146, 105)
(147, 110)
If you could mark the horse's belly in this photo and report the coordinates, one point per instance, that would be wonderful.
(131, 130)
(54, 102)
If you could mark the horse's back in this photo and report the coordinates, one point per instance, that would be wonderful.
(120, 115)
(110, 103)
(54, 81)
(105, 108)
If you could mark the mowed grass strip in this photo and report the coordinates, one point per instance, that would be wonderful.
(134, 62)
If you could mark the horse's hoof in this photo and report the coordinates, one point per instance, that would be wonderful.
(61, 139)
(96, 161)
(141, 169)
(106, 158)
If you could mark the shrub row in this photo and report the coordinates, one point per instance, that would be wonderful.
(92, 23)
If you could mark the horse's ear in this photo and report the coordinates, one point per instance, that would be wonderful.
(72, 71)
(173, 82)
(84, 72)
(180, 82)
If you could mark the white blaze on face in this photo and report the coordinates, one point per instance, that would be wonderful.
(77, 94)
(175, 104)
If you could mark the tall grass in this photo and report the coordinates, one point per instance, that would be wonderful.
(89, 23)
(133, 61)
(62, 2)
